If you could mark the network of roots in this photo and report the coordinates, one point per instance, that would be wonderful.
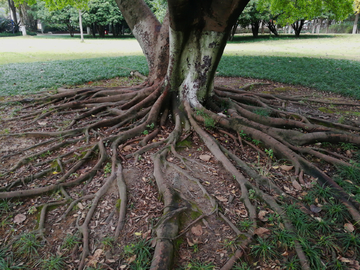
(128, 178)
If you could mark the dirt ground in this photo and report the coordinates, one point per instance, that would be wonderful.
(208, 234)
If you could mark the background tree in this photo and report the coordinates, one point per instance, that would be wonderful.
(296, 12)
(63, 19)
(101, 14)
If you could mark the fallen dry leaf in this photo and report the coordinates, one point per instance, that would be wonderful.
(286, 167)
(221, 198)
(349, 227)
(205, 157)
(19, 218)
(261, 231)
(94, 259)
(296, 185)
(131, 259)
(262, 215)
(315, 209)
(189, 242)
(197, 230)
(128, 148)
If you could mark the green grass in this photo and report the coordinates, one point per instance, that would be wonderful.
(339, 76)
(21, 78)
(30, 64)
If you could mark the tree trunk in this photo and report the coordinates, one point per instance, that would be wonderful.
(297, 26)
(354, 31)
(272, 28)
(233, 31)
(80, 25)
(255, 28)
(12, 9)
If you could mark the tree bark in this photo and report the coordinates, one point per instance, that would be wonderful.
(297, 26)
(354, 31)
(80, 25)
(255, 28)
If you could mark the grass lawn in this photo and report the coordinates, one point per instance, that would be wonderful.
(30, 64)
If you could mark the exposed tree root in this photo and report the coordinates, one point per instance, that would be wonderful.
(94, 124)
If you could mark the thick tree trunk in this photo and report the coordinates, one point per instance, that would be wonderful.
(354, 31)
(191, 70)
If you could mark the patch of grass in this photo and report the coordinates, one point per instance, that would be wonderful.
(197, 265)
(5, 206)
(339, 76)
(142, 252)
(245, 225)
(264, 250)
(50, 75)
(349, 240)
(27, 245)
(54, 262)
(107, 242)
(336, 211)
(70, 241)
(313, 254)
(7, 261)
(351, 173)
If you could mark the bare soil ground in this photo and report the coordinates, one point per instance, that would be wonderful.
(209, 233)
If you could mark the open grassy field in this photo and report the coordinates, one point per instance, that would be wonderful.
(30, 64)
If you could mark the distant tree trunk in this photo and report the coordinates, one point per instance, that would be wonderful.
(297, 26)
(233, 30)
(81, 27)
(101, 30)
(328, 22)
(93, 29)
(255, 28)
(12, 9)
(272, 28)
(262, 27)
(354, 31)
(313, 26)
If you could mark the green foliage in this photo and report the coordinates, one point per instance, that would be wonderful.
(197, 265)
(70, 241)
(26, 245)
(107, 242)
(7, 261)
(107, 169)
(264, 249)
(312, 252)
(102, 13)
(336, 211)
(290, 11)
(54, 262)
(349, 240)
(245, 225)
(5, 206)
(142, 250)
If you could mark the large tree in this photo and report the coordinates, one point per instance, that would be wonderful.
(83, 128)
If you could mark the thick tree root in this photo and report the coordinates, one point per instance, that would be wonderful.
(84, 127)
